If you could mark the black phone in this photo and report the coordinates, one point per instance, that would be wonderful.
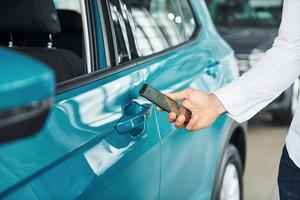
(165, 102)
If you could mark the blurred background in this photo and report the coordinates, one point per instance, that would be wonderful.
(250, 27)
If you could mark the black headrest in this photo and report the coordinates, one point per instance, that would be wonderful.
(70, 20)
(28, 16)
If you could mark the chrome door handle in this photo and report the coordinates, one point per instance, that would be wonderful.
(212, 63)
(211, 68)
(133, 121)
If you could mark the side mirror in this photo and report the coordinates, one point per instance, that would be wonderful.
(27, 89)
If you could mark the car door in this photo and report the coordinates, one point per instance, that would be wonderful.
(179, 52)
(101, 140)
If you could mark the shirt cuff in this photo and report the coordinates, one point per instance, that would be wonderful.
(233, 101)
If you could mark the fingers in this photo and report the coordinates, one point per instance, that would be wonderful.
(187, 104)
(179, 123)
(192, 123)
(172, 117)
(178, 95)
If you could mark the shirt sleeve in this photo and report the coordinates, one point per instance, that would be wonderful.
(273, 74)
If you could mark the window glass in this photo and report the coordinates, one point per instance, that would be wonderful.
(71, 35)
(123, 48)
(68, 5)
(188, 18)
(130, 29)
(159, 25)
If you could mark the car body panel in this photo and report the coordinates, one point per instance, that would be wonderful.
(80, 139)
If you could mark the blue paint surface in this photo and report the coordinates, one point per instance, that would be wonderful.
(23, 80)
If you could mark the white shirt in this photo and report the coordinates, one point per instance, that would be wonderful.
(277, 70)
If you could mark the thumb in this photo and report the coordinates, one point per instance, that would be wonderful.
(178, 95)
(186, 103)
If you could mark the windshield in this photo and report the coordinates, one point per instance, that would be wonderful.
(243, 12)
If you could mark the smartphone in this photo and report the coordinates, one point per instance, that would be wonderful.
(165, 102)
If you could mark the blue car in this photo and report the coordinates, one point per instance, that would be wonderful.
(70, 76)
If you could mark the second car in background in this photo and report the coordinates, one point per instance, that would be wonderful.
(250, 27)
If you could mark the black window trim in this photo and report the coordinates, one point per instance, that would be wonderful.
(93, 35)
(106, 39)
(109, 23)
(109, 26)
(104, 73)
(198, 24)
(131, 33)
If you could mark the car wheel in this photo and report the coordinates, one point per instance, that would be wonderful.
(231, 187)
(285, 117)
(295, 96)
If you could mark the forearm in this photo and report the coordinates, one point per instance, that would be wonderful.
(260, 86)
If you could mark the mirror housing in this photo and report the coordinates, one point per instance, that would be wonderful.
(27, 89)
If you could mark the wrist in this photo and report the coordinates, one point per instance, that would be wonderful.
(217, 105)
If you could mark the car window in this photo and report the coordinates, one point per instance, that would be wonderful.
(76, 34)
(70, 16)
(188, 18)
(73, 5)
(159, 25)
(120, 30)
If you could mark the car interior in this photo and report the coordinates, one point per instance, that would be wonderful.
(53, 36)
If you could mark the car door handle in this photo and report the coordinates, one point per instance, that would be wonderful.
(211, 69)
(212, 63)
(133, 121)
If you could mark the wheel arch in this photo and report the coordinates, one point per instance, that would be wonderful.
(237, 137)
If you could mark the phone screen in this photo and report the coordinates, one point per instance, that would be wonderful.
(164, 102)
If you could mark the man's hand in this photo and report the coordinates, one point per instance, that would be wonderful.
(205, 108)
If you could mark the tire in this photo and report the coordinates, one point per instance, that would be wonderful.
(231, 179)
(285, 117)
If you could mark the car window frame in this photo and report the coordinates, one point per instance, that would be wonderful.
(91, 34)
(186, 40)
(90, 42)
(114, 68)
(129, 36)
(198, 25)
(131, 32)
(137, 43)
(88, 37)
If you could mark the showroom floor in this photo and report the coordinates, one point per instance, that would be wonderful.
(265, 142)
